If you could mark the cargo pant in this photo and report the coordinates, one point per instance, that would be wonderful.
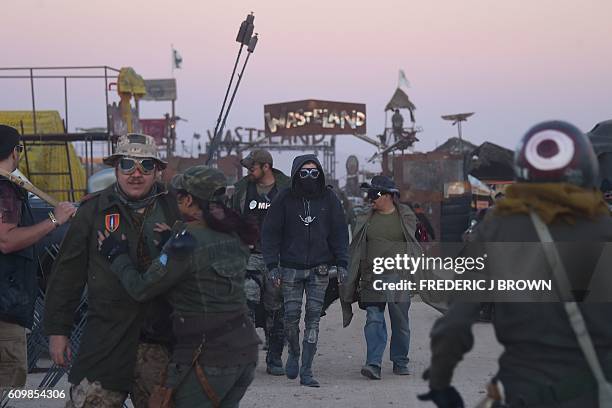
(13, 356)
(295, 282)
(258, 290)
(151, 360)
(229, 383)
(91, 395)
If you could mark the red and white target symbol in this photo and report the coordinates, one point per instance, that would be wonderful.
(549, 150)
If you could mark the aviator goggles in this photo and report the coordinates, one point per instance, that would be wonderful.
(128, 165)
(312, 173)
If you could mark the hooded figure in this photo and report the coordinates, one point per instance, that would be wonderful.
(304, 234)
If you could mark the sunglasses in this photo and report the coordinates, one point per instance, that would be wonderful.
(374, 195)
(312, 173)
(128, 165)
(19, 148)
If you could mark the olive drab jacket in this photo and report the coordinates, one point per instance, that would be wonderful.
(205, 286)
(108, 344)
(207, 279)
(358, 255)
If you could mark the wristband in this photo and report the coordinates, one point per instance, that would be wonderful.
(53, 219)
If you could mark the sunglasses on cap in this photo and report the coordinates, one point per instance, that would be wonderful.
(127, 165)
(312, 173)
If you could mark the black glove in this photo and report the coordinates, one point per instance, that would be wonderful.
(446, 398)
(111, 248)
(164, 236)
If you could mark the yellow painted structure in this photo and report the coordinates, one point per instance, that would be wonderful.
(48, 159)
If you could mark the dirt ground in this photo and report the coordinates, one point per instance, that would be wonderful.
(340, 356)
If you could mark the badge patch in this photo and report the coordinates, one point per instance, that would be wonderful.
(111, 222)
(252, 204)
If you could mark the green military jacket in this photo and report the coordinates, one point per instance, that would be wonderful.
(358, 254)
(205, 287)
(240, 189)
(209, 279)
(108, 344)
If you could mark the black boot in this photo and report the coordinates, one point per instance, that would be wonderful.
(308, 353)
(292, 367)
(274, 364)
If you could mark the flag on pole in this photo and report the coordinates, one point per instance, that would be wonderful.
(177, 60)
(402, 81)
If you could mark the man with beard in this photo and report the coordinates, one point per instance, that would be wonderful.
(124, 346)
(252, 197)
(201, 272)
(304, 233)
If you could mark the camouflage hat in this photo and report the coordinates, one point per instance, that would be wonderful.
(202, 182)
(135, 145)
(261, 156)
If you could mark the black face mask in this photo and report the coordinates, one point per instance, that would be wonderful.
(309, 185)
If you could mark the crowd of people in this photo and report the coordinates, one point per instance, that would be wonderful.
(178, 277)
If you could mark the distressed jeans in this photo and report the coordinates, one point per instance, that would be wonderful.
(294, 283)
(375, 331)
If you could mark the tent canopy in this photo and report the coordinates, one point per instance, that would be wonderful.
(400, 100)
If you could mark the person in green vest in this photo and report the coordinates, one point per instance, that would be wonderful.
(201, 272)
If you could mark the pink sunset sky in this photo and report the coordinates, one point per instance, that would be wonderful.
(514, 63)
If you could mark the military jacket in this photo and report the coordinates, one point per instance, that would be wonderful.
(208, 279)
(205, 286)
(108, 343)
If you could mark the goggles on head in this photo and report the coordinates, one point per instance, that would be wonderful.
(128, 165)
(312, 173)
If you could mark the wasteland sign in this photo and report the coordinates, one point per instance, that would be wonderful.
(314, 117)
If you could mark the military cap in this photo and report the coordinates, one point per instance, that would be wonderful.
(261, 156)
(135, 145)
(202, 182)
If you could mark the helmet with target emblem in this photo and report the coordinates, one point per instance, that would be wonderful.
(556, 152)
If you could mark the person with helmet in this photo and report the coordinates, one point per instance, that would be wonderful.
(544, 362)
(601, 138)
(387, 230)
(201, 271)
(125, 344)
(252, 197)
(304, 235)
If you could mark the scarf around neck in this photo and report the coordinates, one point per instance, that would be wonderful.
(552, 201)
(141, 202)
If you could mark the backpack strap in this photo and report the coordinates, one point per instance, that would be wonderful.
(574, 314)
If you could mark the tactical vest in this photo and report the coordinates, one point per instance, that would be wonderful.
(256, 206)
(18, 285)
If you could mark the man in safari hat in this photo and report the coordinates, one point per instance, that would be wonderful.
(124, 345)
